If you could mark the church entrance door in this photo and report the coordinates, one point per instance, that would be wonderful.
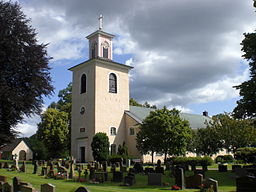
(82, 154)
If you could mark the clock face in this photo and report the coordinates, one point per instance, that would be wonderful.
(82, 110)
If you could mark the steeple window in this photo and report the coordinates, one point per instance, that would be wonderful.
(112, 83)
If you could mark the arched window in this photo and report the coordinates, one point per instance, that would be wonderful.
(105, 52)
(112, 131)
(113, 149)
(112, 83)
(83, 83)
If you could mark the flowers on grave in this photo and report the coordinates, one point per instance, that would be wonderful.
(175, 187)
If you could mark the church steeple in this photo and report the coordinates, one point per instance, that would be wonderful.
(100, 43)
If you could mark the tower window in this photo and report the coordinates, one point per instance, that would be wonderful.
(112, 83)
(112, 131)
(105, 52)
(83, 83)
(93, 50)
(113, 149)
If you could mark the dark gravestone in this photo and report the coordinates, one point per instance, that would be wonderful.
(154, 179)
(104, 165)
(159, 170)
(194, 181)
(234, 167)
(222, 168)
(23, 167)
(16, 184)
(82, 189)
(3, 178)
(179, 178)
(7, 187)
(35, 163)
(106, 176)
(24, 188)
(241, 172)
(129, 180)
(6, 166)
(92, 172)
(47, 188)
(99, 177)
(149, 170)
(138, 167)
(199, 171)
(118, 176)
(211, 183)
(246, 184)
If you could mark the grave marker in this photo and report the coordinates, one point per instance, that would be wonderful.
(24, 188)
(154, 179)
(179, 178)
(47, 188)
(211, 182)
(81, 189)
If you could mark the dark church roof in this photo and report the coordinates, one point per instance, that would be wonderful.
(195, 121)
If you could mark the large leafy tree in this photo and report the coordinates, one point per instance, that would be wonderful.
(246, 106)
(234, 133)
(100, 147)
(24, 70)
(53, 131)
(133, 102)
(163, 131)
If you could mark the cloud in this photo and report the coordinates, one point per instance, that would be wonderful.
(183, 52)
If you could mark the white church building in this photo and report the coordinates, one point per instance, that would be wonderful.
(100, 102)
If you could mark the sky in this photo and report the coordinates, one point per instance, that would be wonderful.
(186, 54)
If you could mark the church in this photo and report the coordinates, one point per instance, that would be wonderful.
(100, 102)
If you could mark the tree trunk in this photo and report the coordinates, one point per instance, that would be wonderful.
(152, 154)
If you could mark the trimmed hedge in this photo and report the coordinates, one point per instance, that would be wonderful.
(246, 154)
(192, 161)
(224, 159)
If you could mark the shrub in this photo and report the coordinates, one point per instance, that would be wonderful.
(115, 158)
(192, 161)
(224, 159)
(246, 154)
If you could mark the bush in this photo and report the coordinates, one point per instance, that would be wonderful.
(224, 159)
(192, 161)
(246, 154)
(115, 158)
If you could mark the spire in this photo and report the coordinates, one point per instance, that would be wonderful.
(101, 22)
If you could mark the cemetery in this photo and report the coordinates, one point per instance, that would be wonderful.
(67, 176)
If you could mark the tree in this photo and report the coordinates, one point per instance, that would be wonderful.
(246, 106)
(234, 133)
(24, 71)
(163, 131)
(100, 147)
(53, 131)
(39, 150)
(133, 102)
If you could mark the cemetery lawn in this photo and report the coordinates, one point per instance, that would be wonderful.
(226, 182)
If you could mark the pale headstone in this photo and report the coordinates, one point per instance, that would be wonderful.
(47, 188)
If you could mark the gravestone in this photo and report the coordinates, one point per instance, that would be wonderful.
(7, 187)
(6, 166)
(99, 177)
(16, 164)
(154, 179)
(23, 167)
(47, 188)
(35, 163)
(246, 184)
(129, 180)
(24, 188)
(222, 168)
(44, 171)
(241, 172)
(104, 166)
(149, 170)
(82, 189)
(211, 182)
(96, 166)
(234, 167)
(92, 171)
(138, 167)
(194, 181)
(3, 178)
(179, 178)
(117, 176)
(199, 171)
(16, 184)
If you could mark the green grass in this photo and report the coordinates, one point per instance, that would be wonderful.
(226, 182)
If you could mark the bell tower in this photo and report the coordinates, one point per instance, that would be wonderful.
(100, 43)
(100, 95)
